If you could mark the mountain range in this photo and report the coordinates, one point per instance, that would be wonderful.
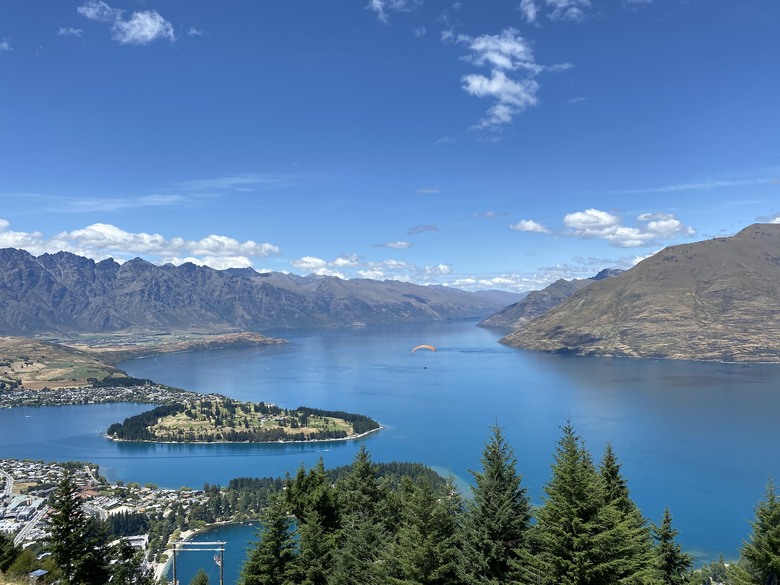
(64, 292)
(538, 302)
(718, 299)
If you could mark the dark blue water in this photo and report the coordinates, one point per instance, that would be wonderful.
(700, 438)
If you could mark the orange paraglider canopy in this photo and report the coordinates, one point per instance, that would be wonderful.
(424, 347)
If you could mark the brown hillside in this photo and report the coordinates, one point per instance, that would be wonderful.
(713, 300)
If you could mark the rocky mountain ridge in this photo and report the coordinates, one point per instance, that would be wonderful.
(66, 292)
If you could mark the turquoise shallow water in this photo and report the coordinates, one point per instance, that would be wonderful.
(699, 438)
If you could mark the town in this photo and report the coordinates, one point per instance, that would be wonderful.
(25, 487)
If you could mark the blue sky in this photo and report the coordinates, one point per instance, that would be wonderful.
(475, 144)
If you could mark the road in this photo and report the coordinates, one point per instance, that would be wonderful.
(19, 538)
(9, 483)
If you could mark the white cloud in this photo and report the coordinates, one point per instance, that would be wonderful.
(5, 46)
(428, 190)
(506, 53)
(70, 32)
(529, 225)
(529, 10)
(101, 240)
(309, 263)
(567, 9)
(652, 228)
(775, 219)
(420, 31)
(194, 32)
(382, 7)
(141, 28)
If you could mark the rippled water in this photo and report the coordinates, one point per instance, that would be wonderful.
(700, 438)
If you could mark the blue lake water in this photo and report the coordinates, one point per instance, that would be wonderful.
(700, 438)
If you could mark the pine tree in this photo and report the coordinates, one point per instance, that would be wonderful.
(568, 544)
(425, 551)
(315, 555)
(498, 517)
(363, 533)
(673, 564)
(200, 578)
(760, 557)
(271, 561)
(76, 540)
(622, 538)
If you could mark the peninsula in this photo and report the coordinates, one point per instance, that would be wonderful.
(224, 420)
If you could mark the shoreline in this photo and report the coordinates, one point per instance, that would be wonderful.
(349, 438)
(159, 570)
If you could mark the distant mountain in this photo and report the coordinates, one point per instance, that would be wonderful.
(64, 292)
(539, 302)
(713, 300)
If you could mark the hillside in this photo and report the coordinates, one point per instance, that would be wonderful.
(64, 292)
(538, 302)
(713, 300)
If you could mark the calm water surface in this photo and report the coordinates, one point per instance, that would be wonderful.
(700, 438)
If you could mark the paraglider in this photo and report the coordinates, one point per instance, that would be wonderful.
(423, 347)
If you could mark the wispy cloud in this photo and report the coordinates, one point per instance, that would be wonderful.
(398, 245)
(238, 182)
(529, 10)
(651, 228)
(558, 10)
(529, 225)
(573, 10)
(70, 32)
(101, 240)
(140, 28)
(428, 190)
(382, 8)
(697, 186)
(5, 46)
(110, 204)
(194, 32)
(510, 84)
(418, 229)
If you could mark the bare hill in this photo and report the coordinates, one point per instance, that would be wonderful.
(713, 300)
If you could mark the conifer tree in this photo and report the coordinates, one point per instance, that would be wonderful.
(425, 551)
(271, 561)
(622, 538)
(363, 534)
(315, 556)
(497, 518)
(760, 556)
(76, 540)
(200, 578)
(575, 535)
(673, 564)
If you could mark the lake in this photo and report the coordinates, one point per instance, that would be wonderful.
(700, 438)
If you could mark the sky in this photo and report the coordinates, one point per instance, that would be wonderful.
(480, 144)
